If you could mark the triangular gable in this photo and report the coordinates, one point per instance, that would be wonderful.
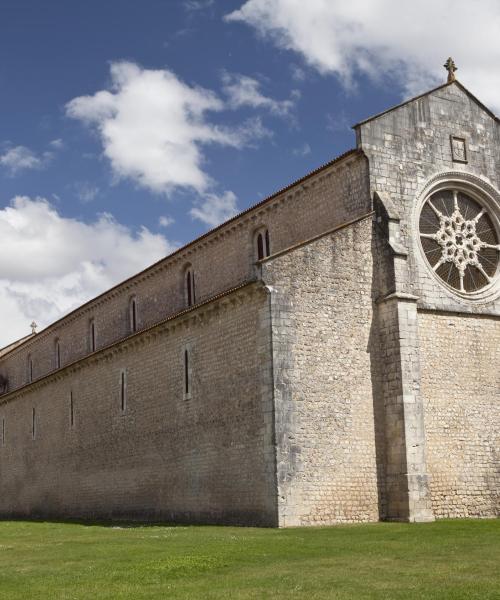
(436, 89)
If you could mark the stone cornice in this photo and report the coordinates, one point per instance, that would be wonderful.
(185, 253)
(184, 318)
(399, 296)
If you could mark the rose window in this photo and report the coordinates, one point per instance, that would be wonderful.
(459, 240)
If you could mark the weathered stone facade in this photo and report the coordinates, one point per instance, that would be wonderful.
(326, 373)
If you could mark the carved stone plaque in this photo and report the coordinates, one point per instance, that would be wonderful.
(458, 149)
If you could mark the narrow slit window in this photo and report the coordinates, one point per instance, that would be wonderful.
(3, 431)
(186, 372)
(260, 247)
(30, 369)
(123, 391)
(58, 354)
(133, 315)
(92, 335)
(33, 424)
(189, 288)
(71, 410)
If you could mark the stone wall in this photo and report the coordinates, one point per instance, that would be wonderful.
(407, 147)
(204, 456)
(221, 260)
(409, 151)
(324, 347)
(460, 358)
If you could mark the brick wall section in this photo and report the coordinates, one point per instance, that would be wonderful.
(221, 260)
(460, 359)
(207, 459)
(323, 343)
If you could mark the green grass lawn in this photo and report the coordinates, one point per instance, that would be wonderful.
(442, 560)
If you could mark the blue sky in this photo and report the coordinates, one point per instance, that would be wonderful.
(129, 128)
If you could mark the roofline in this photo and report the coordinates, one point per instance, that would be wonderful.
(338, 159)
(315, 238)
(436, 89)
(142, 332)
(13, 345)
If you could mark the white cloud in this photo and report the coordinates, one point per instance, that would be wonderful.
(86, 191)
(197, 5)
(57, 143)
(50, 264)
(153, 127)
(21, 158)
(215, 209)
(303, 150)
(404, 43)
(298, 73)
(165, 221)
(245, 91)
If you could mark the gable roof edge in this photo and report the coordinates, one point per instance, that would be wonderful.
(436, 89)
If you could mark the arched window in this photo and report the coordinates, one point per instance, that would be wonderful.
(190, 286)
(92, 336)
(133, 314)
(260, 246)
(57, 354)
(262, 243)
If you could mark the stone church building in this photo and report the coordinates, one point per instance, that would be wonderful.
(331, 354)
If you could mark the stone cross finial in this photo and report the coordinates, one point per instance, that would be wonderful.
(450, 66)
(33, 327)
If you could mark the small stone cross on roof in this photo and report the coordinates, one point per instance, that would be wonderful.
(33, 327)
(450, 66)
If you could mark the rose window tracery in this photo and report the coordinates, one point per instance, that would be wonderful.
(459, 240)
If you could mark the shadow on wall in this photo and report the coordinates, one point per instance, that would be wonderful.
(382, 285)
(4, 384)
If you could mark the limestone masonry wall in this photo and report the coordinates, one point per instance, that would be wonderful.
(203, 456)
(460, 359)
(336, 380)
(323, 347)
(409, 145)
(220, 261)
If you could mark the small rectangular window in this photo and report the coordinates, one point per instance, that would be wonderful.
(58, 355)
(30, 369)
(189, 287)
(134, 316)
(187, 369)
(123, 390)
(33, 424)
(71, 410)
(92, 336)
